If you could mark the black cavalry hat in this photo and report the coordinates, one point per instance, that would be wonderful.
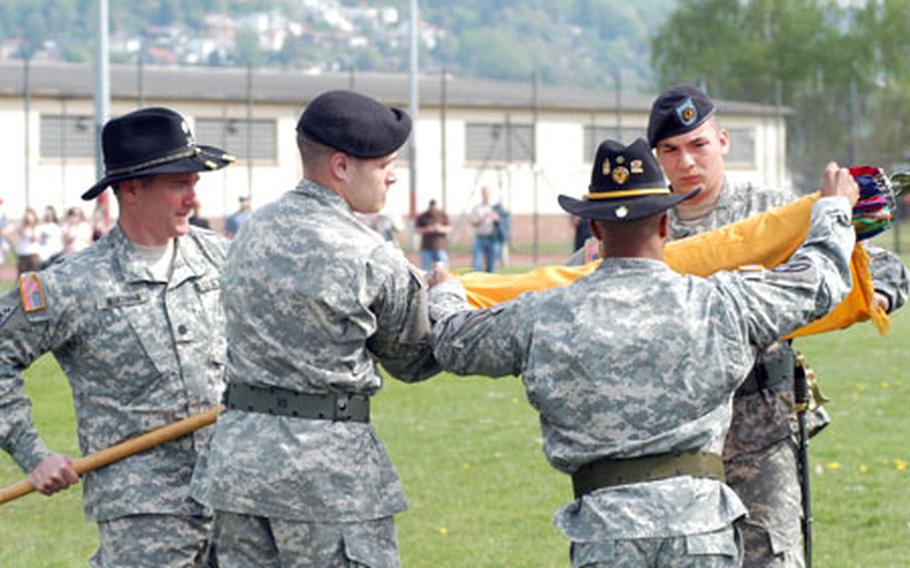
(354, 124)
(678, 110)
(626, 184)
(152, 141)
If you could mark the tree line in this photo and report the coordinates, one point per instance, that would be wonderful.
(841, 68)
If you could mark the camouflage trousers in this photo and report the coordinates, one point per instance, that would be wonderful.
(154, 541)
(760, 463)
(768, 484)
(718, 549)
(246, 540)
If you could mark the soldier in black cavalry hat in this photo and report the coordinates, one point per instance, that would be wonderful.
(632, 367)
(136, 323)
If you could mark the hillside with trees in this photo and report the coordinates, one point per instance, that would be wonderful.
(575, 42)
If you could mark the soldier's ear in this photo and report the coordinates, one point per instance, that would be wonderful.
(664, 228)
(340, 166)
(595, 229)
(723, 140)
(128, 190)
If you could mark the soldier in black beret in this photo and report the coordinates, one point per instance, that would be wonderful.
(760, 450)
(314, 299)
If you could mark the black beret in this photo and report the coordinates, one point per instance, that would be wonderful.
(354, 124)
(678, 110)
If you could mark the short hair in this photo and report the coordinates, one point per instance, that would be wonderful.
(311, 152)
(638, 230)
(144, 181)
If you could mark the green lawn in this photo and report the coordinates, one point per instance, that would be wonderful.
(481, 493)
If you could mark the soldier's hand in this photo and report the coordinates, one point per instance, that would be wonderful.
(438, 275)
(881, 301)
(838, 181)
(54, 473)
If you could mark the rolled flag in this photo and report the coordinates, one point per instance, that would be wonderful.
(875, 210)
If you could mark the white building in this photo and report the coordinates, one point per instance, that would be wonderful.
(469, 133)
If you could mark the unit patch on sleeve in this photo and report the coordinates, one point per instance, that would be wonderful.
(32, 292)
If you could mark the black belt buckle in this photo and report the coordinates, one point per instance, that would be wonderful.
(347, 406)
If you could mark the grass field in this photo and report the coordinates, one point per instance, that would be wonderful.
(481, 494)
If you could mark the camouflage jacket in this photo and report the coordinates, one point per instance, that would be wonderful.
(761, 421)
(637, 360)
(139, 353)
(741, 201)
(313, 299)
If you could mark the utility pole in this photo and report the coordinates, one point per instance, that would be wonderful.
(102, 85)
(413, 106)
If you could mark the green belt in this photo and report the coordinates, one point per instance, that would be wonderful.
(611, 472)
(769, 373)
(338, 407)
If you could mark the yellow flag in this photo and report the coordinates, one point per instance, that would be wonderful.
(767, 239)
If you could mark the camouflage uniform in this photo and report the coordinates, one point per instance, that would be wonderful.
(761, 446)
(139, 353)
(313, 299)
(616, 366)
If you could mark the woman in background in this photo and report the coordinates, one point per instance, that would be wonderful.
(27, 246)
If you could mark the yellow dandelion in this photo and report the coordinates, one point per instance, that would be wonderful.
(863, 468)
(832, 465)
(886, 385)
(443, 531)
(861, 387)
(466, 466)
(514, 401)
(901, 465)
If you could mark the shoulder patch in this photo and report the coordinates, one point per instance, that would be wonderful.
(32, 292)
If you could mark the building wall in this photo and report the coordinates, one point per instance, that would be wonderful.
(523, 187)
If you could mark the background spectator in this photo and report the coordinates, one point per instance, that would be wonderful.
(236, 220)
(102, 220)
(49, 234)
(433, 226)
(27, 245)
(486, 240)
(384, 224)
(196, 219)
(77, 231)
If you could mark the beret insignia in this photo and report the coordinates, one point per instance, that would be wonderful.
(687, 112)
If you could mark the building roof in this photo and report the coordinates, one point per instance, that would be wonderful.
(220, 84)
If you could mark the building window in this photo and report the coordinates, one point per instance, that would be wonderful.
(231, 135)
(505, 142)
(69, 136)
(742, 147)
(594, 135)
